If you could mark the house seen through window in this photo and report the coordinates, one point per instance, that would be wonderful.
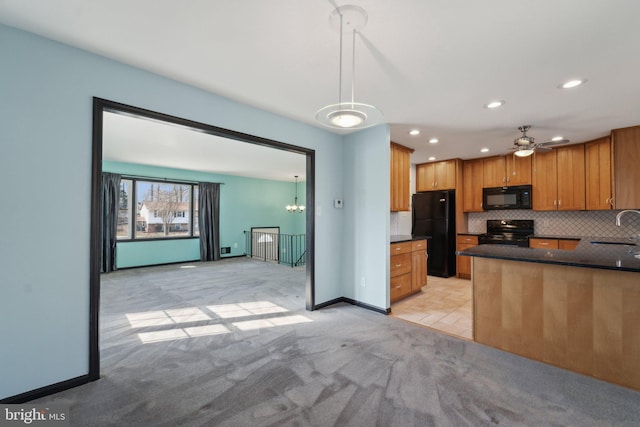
(156, 210)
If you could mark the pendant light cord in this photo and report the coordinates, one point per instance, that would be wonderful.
(353, 71)
(353, 66)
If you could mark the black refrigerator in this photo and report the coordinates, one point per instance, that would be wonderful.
(434, 214)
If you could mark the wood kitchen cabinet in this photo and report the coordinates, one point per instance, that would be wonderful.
(558, 179)
(408, 269)
(626, 167)
(564, 244)
(464, 262)
(472, 183)
(506, 170)
(598, 174)
(436, 176)
(418, 265)
(400, 177)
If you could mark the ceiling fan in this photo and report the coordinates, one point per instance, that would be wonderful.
(525, 145)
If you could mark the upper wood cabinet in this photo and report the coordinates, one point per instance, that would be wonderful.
(436, 176)
(558, 179)
(626, 167)
(598, 174)
(518, 170)
(400, 177)
(472, 183)
(506, 170)
(545, 182)
(571, 185)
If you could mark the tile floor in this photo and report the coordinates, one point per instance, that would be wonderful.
(443, 304)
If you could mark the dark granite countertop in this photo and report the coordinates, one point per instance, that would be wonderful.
(586, 254)
(470, 234)
(398, 238)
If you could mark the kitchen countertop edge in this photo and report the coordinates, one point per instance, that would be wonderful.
(399, 238)
(584, 255)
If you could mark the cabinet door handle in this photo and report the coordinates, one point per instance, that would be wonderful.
(606, 202)
(398, 265)
(543, 243)
(397, 286)
(397, 249)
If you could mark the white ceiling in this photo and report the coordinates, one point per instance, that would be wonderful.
(431, 65)
(135, 140)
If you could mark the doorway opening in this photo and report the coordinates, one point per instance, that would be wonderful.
(101, 106)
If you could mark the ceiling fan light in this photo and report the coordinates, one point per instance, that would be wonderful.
(346, 118)
(524, 152)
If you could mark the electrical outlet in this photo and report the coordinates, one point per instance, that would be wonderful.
(337, 203)
(363, 282)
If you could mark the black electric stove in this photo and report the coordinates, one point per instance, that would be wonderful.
(510, 232)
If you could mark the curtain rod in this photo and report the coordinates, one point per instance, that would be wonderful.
(155, 178)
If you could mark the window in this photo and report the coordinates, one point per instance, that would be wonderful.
(163, 210)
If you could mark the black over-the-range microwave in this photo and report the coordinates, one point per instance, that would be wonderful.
(515, 197)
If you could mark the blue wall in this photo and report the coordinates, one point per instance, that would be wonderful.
(244, 203)
(47, 91)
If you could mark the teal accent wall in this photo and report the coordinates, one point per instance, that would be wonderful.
(244, 203)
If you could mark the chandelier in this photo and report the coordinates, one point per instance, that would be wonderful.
(295, 207)
(348, 114)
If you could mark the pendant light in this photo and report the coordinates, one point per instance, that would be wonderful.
(348, 115)
(295, 207)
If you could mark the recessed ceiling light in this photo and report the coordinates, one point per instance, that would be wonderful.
(414, 132)
(557, 138)
(432, 158)
(572, 83)
(494, 104)
(484, 150)
(433, 141)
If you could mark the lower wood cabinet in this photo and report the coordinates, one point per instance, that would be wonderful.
(408, 268)
(566, 244)
(464, 262)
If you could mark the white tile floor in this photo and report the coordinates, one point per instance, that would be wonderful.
(444, 305)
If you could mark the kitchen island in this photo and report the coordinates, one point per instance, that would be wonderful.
(576, 309)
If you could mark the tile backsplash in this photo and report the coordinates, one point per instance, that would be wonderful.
(564, 223)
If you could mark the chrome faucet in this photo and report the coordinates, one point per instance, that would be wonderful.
(622, 213)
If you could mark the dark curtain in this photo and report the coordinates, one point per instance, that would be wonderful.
(110, 200)
(209, 220)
